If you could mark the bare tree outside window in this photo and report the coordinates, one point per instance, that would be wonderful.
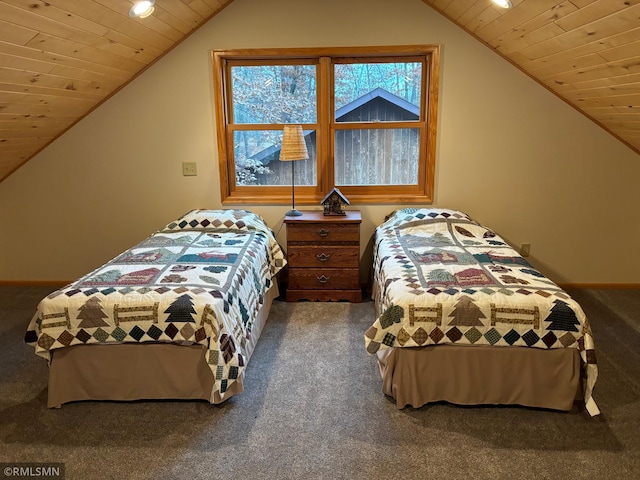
(377, 92)
(368, 120)
(264, 95)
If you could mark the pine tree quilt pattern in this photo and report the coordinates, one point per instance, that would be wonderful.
(443, 278)
(201, 279)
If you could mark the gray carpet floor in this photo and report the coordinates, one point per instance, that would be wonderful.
(313, 408)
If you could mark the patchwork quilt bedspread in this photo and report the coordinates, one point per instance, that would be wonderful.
(201, 279)
(443, 278)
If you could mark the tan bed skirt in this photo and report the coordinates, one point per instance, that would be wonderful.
(481, 375)
(141, 371)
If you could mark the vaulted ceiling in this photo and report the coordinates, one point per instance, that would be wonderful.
(585, 51)
(62, 58)
(59, 59)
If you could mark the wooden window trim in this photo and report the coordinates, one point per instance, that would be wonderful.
(325, 127)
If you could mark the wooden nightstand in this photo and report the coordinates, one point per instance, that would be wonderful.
(323, 254)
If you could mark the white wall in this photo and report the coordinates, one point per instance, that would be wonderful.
(509, 153)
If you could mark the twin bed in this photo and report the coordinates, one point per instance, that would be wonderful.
(175, 317)
(461, 316)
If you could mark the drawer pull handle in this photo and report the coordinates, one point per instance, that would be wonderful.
(322, 279)
(323, 233)
(323, 257)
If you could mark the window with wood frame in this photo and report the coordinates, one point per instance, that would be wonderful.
(368, 115)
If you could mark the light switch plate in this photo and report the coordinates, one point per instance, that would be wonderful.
(189, 169)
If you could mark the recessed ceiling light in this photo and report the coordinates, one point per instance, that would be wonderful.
(503, 3)
(142, 9)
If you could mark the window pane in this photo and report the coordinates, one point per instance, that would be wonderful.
(377, 92)
(257, 154)
(274, 94)
(377, 156)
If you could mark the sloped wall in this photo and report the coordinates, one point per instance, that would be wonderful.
(509, 153)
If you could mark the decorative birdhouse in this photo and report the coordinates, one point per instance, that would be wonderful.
(334, 203)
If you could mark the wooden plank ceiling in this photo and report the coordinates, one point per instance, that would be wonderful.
(585, 51)
(59, 59)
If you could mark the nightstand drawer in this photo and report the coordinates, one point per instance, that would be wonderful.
(323, 278)
(323, 256)
(320, 233)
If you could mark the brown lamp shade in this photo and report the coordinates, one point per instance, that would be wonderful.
(293, 144)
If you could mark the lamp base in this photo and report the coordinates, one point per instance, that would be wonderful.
(293, 213)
